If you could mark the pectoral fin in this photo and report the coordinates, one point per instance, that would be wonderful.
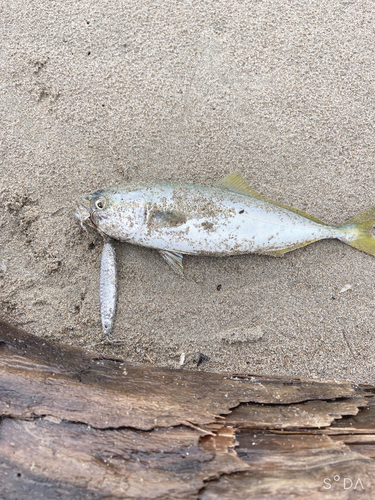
(174, 259)
(236, 183)
(171, 219)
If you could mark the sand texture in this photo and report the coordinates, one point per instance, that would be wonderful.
(95, 94)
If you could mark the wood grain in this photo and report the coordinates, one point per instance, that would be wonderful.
(78, 425)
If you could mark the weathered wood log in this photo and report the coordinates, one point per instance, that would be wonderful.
(78, 425)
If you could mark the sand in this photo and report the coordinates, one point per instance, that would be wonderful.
(95, 94)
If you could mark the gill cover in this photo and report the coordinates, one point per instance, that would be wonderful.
(118, 214)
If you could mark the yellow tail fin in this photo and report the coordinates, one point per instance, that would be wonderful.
(360, 227)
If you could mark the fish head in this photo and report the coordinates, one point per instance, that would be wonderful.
(117, 213)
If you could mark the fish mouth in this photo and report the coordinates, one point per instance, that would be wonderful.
(83, 212)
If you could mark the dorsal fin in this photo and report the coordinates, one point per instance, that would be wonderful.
(235, 182)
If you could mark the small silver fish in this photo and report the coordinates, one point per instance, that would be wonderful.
(108, 286)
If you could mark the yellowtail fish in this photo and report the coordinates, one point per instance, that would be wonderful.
(228, 218)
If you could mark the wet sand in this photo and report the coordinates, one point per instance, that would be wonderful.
(98, 95)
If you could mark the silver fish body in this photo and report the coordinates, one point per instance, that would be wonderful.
(228, 218)
(209, 221)
(108, 287)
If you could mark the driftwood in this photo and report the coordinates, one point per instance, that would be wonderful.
(79, 425)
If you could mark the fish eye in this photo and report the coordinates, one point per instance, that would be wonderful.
(100, 204)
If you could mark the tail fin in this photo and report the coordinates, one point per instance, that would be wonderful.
(358, 231)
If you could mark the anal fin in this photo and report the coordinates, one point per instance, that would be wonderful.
(280, 252)
(174, 259)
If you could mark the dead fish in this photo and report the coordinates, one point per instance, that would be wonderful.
(228, 218)
(108, 287)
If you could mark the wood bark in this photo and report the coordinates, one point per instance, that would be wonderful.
(79, 425)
